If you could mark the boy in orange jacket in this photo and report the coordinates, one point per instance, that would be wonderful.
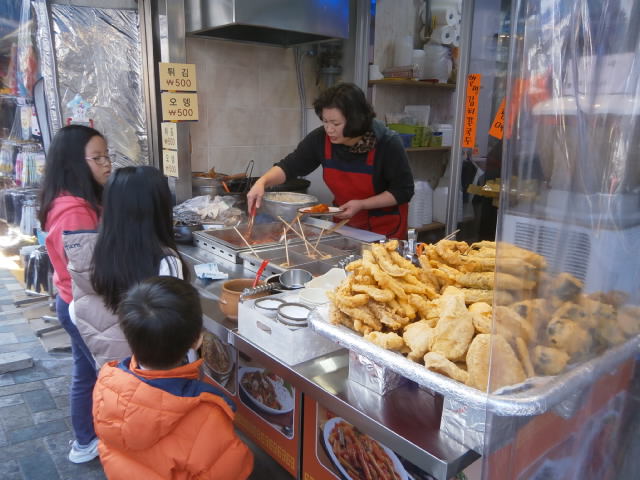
(154, 418)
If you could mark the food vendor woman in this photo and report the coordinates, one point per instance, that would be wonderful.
(364, 163)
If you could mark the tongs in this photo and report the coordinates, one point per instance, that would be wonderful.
(252, 217)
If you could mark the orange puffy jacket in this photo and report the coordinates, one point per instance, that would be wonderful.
(165, 424)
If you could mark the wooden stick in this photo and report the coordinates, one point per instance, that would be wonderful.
(286, 247)
(297, 217)
(296, 232)
(341, 223)
(306, 244)
(247, 243)
(319, 237)
(451, 235)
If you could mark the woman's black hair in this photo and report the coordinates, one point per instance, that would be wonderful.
(66, 170)
(351, 101)
(161, 319)
(136, 232)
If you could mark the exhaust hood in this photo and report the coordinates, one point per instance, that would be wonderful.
(274, 22)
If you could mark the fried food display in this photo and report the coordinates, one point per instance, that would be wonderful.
(453, 313)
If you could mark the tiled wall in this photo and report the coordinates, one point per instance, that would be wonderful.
(248, 102)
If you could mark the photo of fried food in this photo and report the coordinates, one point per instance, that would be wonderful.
(215, 354)
(359, 456)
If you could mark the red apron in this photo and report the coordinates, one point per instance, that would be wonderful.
(354, 181)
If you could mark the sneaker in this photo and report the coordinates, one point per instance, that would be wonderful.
(83, 453)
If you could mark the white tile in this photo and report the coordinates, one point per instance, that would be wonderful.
(278, 88)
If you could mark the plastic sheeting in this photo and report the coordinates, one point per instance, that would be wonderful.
(570, 296)
(98, 56)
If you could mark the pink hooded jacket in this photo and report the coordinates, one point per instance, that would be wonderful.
(67, 213)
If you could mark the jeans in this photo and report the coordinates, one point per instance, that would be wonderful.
(83, 378)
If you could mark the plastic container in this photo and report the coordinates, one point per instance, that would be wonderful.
(447, 133)
(403, 51)
(436, 139)
(407, 139)
(440, 196)
(417, 130)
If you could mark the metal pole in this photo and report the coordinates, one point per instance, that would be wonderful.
(363, 19)
(145, 13)
(461, 92)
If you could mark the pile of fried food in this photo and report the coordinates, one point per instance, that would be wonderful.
(440, 314)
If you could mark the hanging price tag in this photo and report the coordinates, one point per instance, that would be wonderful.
(170, 163)
(169, 135)
(180, 77)
(179, 107)
(497, 127)
(471, 110)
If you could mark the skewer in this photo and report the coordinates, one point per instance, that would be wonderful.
(296, 218)
(306, 244)
(247, 243)
(296, 232)
(319, 237)
(286, 247)
(451, 235)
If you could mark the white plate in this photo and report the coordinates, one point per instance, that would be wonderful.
(328, 428)
(282, 394)
(332, 211)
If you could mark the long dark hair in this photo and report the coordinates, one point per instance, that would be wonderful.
(67, 171)
(135, 234)
(351, 101)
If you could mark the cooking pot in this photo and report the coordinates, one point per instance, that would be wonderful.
(286, 204)
(184, 233)
(230, 295)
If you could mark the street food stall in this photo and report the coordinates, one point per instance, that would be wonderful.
(520, 352)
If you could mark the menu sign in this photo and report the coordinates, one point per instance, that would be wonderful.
(170, 163)
(178, 77)
(169, 135)
(179, 107)
(497, 127)
(471, 110)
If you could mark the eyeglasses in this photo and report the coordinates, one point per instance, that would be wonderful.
(102, 160)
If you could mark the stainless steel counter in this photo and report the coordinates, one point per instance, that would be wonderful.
(407, 420)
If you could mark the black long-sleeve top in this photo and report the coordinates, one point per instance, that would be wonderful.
(391, 165)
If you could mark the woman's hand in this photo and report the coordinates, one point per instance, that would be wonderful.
(254, 196)
(350, 208)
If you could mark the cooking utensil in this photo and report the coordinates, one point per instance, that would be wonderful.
(285, 204)
(246, 243)
(292, 279)
(252, 218)
(259, 272)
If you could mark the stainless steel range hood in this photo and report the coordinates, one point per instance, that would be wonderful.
(274, 22)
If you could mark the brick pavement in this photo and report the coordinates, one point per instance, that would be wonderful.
(35, 427)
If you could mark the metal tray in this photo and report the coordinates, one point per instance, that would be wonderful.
(533, 397)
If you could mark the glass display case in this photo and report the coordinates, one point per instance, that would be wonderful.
(566, 314)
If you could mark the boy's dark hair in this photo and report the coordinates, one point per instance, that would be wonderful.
(351, 101)
(161, 319)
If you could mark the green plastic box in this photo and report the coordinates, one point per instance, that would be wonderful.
(420, 139)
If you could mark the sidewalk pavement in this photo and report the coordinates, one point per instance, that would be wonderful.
(35, 426)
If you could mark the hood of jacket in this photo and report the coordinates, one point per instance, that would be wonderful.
(135, 409)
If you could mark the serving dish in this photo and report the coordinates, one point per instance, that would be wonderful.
(338, 422)
(332, 211)
(270, 391)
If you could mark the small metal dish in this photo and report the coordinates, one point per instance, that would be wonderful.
(268, 306)
(294, 315)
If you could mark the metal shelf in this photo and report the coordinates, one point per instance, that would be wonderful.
(407, 82)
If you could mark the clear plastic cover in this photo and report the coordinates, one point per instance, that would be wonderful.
(567, 284)
(99, 61)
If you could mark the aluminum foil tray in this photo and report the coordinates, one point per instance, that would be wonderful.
(533, 397)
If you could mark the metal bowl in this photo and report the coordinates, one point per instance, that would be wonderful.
(295, 278)
(286, 204)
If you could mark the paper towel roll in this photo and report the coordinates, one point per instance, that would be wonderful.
(444, 35)
(456, 36)
(444, 15)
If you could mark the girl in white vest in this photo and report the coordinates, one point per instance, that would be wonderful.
(134, 241)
